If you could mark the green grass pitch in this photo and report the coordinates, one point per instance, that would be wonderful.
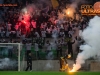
(48, 73)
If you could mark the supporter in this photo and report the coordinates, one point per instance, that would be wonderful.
(43, 33)
(45, 23)
(28, 47)
(29, 62)
(9, 26)
(62, 34)
(37, 34)
(59, 48)
(36, 47)
(48, 47)
(70, 50)
(55, 32)
(33, 24)
(48, 34)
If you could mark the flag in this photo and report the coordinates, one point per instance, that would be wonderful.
(54, 3)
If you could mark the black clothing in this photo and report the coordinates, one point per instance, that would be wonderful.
(59, 50)
(27, 52)
(70, 44)
(29, 63)
(70, 50)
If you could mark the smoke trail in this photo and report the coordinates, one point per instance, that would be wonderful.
(91, 48)
(7, 63)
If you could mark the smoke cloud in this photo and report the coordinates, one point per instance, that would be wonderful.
(91, 47)
(34, 9)
(49, 65)
(7, 63)
(72, 8)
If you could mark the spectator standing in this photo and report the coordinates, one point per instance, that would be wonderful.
(59, 48)
(43, 33)
(37, 34)
(28, 47)
(70, 50)
(48, 47)
(36, 47)
(29, 62)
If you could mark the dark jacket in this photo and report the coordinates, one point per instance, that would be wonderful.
(70, 45)
(29, 60)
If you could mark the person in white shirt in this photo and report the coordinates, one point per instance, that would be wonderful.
(37, 34)
(62, 34)
(62, 27)
(48, 47)
(43, 33)
(18, 33)
(55, 32)
(36, 48)
(9, 26)
(28, 47)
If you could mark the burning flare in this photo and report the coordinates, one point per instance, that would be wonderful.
(68, 12)
(69, 55)
(73, 70)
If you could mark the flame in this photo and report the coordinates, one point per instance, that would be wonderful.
(69, 55)
(72, 70)
(68, 12)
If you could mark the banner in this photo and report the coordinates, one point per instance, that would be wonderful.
(54, 3)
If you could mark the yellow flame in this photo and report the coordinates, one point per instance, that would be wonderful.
(72, 70)
(69, 56)
(68, 13)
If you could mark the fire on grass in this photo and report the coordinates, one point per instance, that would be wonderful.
(69, 56)
(76, 67)
(64, 66)
(72, 70)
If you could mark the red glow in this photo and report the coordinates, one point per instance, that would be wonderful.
(33, 23)
(24, 25)
(24, 22)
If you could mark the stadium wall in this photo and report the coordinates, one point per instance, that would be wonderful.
(45, 65)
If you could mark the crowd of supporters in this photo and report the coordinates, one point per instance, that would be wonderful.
(46, 24)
